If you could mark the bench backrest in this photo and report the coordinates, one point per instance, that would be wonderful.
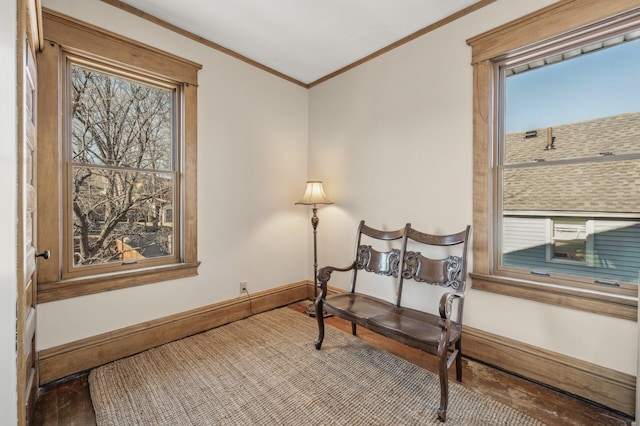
(446, 272)
(370, 259)
(403, 264)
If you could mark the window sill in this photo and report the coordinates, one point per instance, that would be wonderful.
(616, 305)
(64, 289)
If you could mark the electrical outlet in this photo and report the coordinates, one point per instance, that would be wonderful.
(243, 287)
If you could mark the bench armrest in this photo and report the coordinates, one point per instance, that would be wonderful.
(446, 302)
(324, 275)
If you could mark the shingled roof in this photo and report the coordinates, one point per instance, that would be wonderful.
(595, 187)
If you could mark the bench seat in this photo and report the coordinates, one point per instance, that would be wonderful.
(414, 328)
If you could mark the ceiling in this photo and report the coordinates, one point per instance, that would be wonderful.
(304, 40)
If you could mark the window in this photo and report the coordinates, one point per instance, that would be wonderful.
(557, 157)
(114, 172)
(122, 169)
(570, 241)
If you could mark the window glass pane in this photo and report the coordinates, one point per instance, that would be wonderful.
(614, 256)
(601, 188)
(117, 215)
(595, 138)
(119, 122)
(581, 85)
(570, 162)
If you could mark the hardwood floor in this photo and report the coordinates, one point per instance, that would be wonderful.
(69, 402)
(66, 403)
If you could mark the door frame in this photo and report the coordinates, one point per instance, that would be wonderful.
(28, 43)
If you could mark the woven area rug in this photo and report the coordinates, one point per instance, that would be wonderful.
(264, 370)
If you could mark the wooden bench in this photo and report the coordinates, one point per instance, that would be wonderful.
(439, 335)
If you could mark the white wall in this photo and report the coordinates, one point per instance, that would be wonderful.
(393, 141)
(252, 168)
(8, 214)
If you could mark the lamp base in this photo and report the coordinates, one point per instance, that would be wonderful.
(311, 311)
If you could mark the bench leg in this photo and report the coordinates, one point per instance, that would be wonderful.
(444, 378)
(459, 360)
(320, 319)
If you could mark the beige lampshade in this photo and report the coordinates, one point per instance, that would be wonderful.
(314, 194)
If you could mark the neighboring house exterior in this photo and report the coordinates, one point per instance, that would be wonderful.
(572, 199)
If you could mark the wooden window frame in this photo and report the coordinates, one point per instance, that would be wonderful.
(66, 35)
(538, 30)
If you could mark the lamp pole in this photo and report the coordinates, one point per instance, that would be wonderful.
(314, 224)
(314, 195)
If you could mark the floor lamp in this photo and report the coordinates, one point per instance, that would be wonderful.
(314, 195)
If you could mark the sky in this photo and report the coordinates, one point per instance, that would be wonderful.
(599, 84)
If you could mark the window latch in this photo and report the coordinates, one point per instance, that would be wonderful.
(607, 282)
(541, 274)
